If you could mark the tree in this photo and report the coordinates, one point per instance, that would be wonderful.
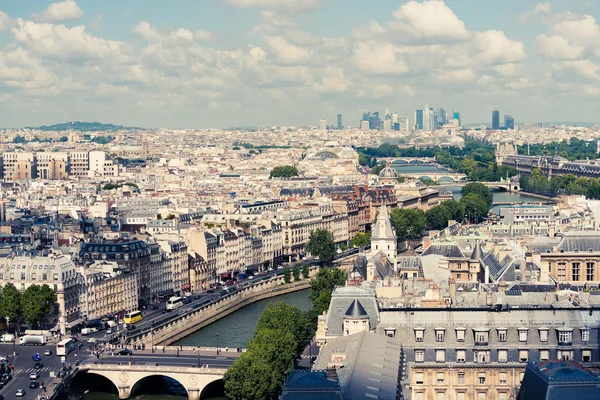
(235, 148)
(296, 272)
(170, 216)
(479, 189)
(11, 303)
(19, 139)
(361, 240)
(37, 303)
(320, 244)
(474, 206)
(305, 272)
(454, 209)
(63, 139)
(438, 217)
(158, 216)
(409, 224)
(286, 171)
(287, 318)
(469, 167)
(287, 275)
(325, 281)
(260, 372)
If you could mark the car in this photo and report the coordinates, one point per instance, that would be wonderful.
(36, 357)
(38, 365)
(108, 331)
(34, 375)
(92, 340)
(131, 327)
(20, 393)
(223, 292)
(1, 387)
(154, 307)
(210, 291)
(251, 277)
(34, 385)
(48, 352)
(6, 378)
(125, 352)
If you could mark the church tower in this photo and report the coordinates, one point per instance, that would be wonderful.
(383, 236)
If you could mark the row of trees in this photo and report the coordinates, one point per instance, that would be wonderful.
(538, 183)
(282, 333)
(31, 306)
(572, 149)
(475, 159)
(285, 171)
(474, 205)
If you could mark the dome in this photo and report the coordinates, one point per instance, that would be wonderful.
(388, 173)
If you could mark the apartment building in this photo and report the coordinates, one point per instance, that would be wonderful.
(133, 254)
(161, 279)
(296, 225)
(58, 272)
(176, 253)
(108, 289)
(56, 165)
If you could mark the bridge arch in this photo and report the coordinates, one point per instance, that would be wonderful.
(158, 384)
(399, 162)
(425, 178)
(445, 179)
(91, 382)
(213, 389)
(417, 161)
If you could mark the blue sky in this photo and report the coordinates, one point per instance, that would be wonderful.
(221, 63)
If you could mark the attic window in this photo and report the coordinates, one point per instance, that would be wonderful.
(339, 309)
(591, 251)
(576, 251)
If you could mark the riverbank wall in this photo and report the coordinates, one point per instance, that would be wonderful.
(195, 320)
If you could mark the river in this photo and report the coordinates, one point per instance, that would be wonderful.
(234, 330)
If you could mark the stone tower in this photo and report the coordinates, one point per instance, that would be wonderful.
(383, 236)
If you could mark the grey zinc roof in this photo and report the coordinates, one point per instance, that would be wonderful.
(371, 366)
(356, 310)
(580, 241)
(341, 300)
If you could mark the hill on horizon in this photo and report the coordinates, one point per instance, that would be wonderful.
(82, 127)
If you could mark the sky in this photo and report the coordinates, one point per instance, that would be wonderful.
(225, 63)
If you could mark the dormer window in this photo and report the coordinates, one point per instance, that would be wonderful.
(543, 334)
(440, 334)
(522, 334)
(460, 334)
(419, 334)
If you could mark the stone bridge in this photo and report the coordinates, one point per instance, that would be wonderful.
(441, 177)
(509, 186)
(130, 379)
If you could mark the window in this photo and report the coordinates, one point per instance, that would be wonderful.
(460, 335)
(522, 335)
(543, 335)
(585, 335)
(22, 276)
(481, 337)
(502, 335)
(419, 378)
(482, 378)
(502, 378)
(589, 271)
(544, 355)
(482, 356)
(440, 377)
(523, 355)
(22, 286)
(460, 396)
(439, 335)
(502, 355)
(565, 355)
(575, 271)
(461, 378)
(461, 355)
(419, 333)
(502, 396)
(420, 396)
(440, 355)
(586, 356)
(565, 337)
(419, 355)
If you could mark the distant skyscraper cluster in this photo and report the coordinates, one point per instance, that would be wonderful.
(509, 121)
(429, 119)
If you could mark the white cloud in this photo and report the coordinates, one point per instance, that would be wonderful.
(493, 47)
(67, 44)
(378, 59)
(293, 5)
(5, 21)
(334, 81)
(61, 11)
(557, 48)
(456, 76)
(432, 20)
(541, 9)
(287, 53)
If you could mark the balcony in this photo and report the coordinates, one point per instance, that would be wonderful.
(481, 343)
(565, 342)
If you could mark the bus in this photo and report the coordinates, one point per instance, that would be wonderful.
(133, 317)
(65, 347)
(174, 302)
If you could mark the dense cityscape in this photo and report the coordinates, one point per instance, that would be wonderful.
(332, 236)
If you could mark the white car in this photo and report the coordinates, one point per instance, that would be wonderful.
(34, 375)
(20, 393)
(251, 277)
(109, 331)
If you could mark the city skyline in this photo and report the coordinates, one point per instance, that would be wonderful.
(231, 63)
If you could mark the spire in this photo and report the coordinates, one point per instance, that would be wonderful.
(477, 253)
(382, 229)
(356, 310)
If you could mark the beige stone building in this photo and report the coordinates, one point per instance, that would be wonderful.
(108, 289)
